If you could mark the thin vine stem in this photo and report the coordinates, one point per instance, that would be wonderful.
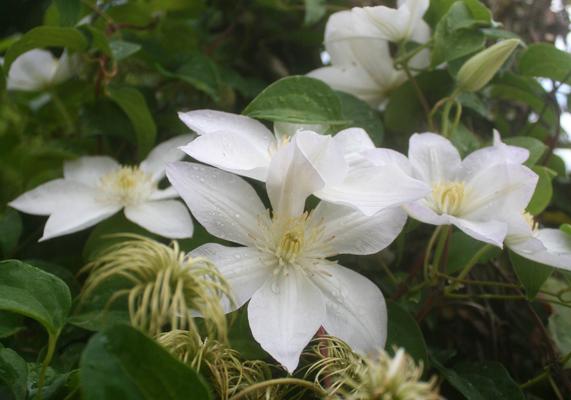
(279, 381)
(52, 340)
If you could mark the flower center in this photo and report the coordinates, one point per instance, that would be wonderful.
(290, 246)
(530, 219)
(127, 185)
(448, 196)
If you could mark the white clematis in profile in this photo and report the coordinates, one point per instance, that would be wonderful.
(244, 146)
(38, 69)
(402, 24)
(475, 194)
(282, 265)
(361, 66)
(95, 188)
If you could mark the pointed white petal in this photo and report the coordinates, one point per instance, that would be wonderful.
(353, 142)
(284, 315)
(386, 23)
(371, 189)
(382, 157)
(498, 190)
(499, 153)
(301, 168)
(164, 194)
(166, 152)
(348, 231)
(244, 268)
(556, 250)
(168, 218)
(421, 212)
(355, 308)
(491, 231)
(66, 67)
(77, 214)
(89, 170)
(223, 203)
(433, 158)
(239, 154)
(50, 197)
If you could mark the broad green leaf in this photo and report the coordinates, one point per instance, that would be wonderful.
(543, 192)
(482, 381)
(134, 105)
(557, 165)
(199, 71)
(297, 99)
(437, 10)
(33, 293)
(531, 274)
(13, 375)
(10, 231)
(566, 228)
(122, 363)
(403, 331)
(464, 140)
(361, 115)
(314, 11)
(68, 11)
(546, 61)
(121, 49)
(461, 249)
(536, 148)
(45, 36)
(10, 323)
(479, 11)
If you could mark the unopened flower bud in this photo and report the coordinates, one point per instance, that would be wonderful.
(481, 68)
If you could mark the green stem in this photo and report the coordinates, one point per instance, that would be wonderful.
(442, 239)
(487, 296)
(445, 118)
(468, 267)
(52, 340)
(429, 251)
(535, 380)
(279, 381)
(63, 111)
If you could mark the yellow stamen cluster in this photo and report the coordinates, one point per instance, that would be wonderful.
(165, 285)
(127, 185)
(447, 197)
(350, 376)
(222, 365)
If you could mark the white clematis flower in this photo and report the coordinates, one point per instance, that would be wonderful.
(95, 188)
(282, 265)
(244, 146)
(474, 194)
(38, 69)
(361, 66)
(396, 25)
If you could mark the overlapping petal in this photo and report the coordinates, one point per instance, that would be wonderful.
(166, 152)
(168, 218)
(89, 170)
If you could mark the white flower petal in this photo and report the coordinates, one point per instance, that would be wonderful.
(164, 194)
(77, 214)
(353, 142)
(492, 231)
(284, 314)
(51, 196)
(382, 157)
(301, 168)
(498, 190)
(66, 67)
(223, 203)
(421, 212)
(166, 152)
(557, 248)
(244, 268)
(168, 218)
(499, 153)
(372, 189)
(89, 170)
(31, 71)
(386, 23)
(348, 231)
(433, 158)
(355, 308)
(239, 154)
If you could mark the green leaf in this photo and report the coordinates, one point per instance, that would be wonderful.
(437, 10)
(134, 105)
(361, 115)
(566, 228)
(13, 375)
(536, 147)
(482, 381)
(403, 331)
(10, 324)
(531, 274)
(297, 99)
(543, 191)
(10, 230)
(544, 60)
(121, 49)
(122, 363)
(45, 36)
(314, 11)
(33, 293)
(68, 11)
(461, 248)
(200, 72)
